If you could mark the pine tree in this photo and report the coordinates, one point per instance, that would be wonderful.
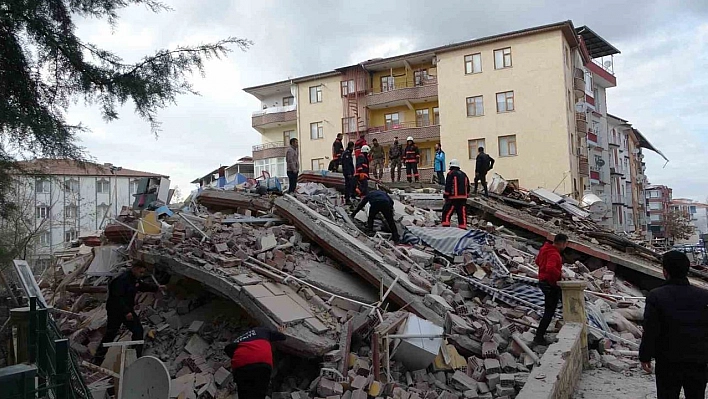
(45, 66)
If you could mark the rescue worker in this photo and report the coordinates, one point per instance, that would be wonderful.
(337, 150)
(456, 191)
(251, 357)
(379, 202)
(550, 271)
(348, 171)
(484, 164)
(394, 158)
(120, 308)
(377, 157)
(360, 142)
(440, 164)
(292, 163)
(412, 158)
(362, 170)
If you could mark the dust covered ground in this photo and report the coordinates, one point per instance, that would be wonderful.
(607, 384)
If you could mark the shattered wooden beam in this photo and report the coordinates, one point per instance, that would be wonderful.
(340, 245)
(301, 341)
(586, 247)
(216, 200)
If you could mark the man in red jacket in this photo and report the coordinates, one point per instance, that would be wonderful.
(252, 361)
(550, 269)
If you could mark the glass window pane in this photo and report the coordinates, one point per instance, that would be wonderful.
(477, 63)
(479, 106)
(501, 102)
(498, 59)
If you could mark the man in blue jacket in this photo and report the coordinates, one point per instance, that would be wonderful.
(379, 202)
(440, 164)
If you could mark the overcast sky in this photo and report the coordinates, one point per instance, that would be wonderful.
(661, 73)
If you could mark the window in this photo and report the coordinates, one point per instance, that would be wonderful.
(70, 212)
(426, 158)
(422, 117)
(42, 212)
(473, 63)
(103, 187)
(318, 164)
(420, 77)
(655, 206)
(275, 167)
(45, 238)
(655, 217)
(652, 194)
(502, 58)
(42, 186)
(349, 125)
(134, 184)
(436, 116)
(507, 146)
(505, 101)
(567, 56)
(347, 87)
(692, 209)
(70, 235)
(387, 83)
(71, 185)
(475, 106)
(100, 211)
(287, 135)
(392, 121)
(473, 147)
(316, 131)
(288, 101)
(315, 94)
(596, 96)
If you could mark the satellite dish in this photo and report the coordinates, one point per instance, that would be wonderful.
(599, 162)
(146, 378)
(608, 64)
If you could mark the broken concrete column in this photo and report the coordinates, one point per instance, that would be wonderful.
(574, 310)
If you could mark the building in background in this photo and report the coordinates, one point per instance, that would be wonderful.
(698, 214)
(67, 200)
(658, 199)
(236, 173)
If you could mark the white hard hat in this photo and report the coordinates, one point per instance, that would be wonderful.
(410, 138)
(454, 163)
(365, 148)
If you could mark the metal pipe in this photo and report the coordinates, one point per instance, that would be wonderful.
(194, 226)
(517, 338)
(404, 336)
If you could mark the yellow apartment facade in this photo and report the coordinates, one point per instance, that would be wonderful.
(522, 95)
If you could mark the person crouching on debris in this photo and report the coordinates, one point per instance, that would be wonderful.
(379, 202)
(251, 357)
(362, 170)
(120, 308)
(676, 332)
(456, 192)
(550, 271)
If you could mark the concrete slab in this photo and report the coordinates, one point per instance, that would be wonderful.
(245, 279)
(283, 309)
(274, 288)
(257, 291)
(196, 345)
(316, 325)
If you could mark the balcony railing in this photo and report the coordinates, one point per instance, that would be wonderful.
(270, 150)
(581, 124)
(275, 110)
(404, 90)
(583, 165)
(274, 115)
(419, 130)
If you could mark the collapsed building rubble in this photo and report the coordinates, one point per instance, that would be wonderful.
(449, 314)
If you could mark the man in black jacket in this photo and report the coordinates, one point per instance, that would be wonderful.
(676, 332)
(379, 202)
(120, 308)
(337, 150)
(348, 172)
(484, 164)
(456, 191)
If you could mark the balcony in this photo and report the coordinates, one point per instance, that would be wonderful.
(594, 140)
(579, 84)
(419, 132)
(583, 165)
(270, 150)
(616, 171)
(404, 93)
(273, 117)
(581, 124)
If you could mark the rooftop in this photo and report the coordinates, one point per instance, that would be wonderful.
(596, 45)
(67, 167)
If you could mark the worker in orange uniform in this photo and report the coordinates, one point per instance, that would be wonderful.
(359, 144)
(337, 151)
(456, 192)
(362, 170)
(412, 157)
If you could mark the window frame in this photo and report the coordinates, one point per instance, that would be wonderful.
(102, 209)
(45, 184)
(286, 138)
(475, 150)
(71, 211)
(45, 238)
(436, 115)
(320, 163)
(474, 103)
(347, 87)
(420, 76)
(68, 186)
(317, 93)
(516, 147)
(100, 183)
(470, 62)
(347, 126)
(390, 83)
(421, 115)
(320, 130)
(426, 157)
(42, 209)
(392, 125)
(291, 101)
(506, 101)
(68, 234)
(504, 58)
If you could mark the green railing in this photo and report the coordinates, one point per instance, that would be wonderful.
(58, 372)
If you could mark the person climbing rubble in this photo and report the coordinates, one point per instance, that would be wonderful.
(362, 170)
(251, 357)
(379, 202)
(120, 308)
(550, 270)
(456, 192)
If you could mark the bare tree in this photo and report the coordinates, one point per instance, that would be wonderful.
(678, 226)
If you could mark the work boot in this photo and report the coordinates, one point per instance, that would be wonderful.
(541, 341)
